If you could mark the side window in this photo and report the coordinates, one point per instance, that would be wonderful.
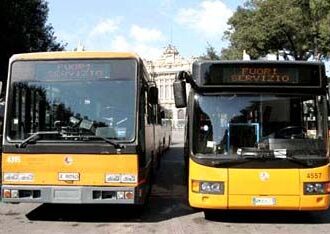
(142, 106)
(142, 120)
(149, 110)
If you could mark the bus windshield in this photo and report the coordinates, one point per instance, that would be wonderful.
(230, 124)
(74, 97)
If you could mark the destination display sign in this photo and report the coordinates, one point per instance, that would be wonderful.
(80, 70)
(74, 70)
(259, 74)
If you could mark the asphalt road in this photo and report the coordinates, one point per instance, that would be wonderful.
(166, 212)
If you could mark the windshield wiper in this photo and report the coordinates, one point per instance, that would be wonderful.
(306, 161)
(34, 136)
(116, 145)
(277, 154)
(256, 154)
(90, 137)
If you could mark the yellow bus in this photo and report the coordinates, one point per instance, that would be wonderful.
(79, 128)
(248, 141)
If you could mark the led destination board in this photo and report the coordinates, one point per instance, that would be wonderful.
(263, 74)
(73, 71)
(260, 75)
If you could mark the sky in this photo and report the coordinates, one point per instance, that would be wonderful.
(142, 26)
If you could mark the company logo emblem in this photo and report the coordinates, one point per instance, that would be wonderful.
(68, 160)
(264, 176)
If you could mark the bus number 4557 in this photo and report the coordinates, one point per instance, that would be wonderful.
(314, 175)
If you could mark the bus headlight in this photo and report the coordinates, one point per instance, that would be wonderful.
(314, 188)
(17, 177)
(209, 187)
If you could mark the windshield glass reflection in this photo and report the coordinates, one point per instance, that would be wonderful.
(231, 124)
(83, 105)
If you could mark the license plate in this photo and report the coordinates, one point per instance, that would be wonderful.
(264, 201)
(73, 176)
(67, 194)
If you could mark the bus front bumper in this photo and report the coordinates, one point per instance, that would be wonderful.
(250, 202)
(71, 194)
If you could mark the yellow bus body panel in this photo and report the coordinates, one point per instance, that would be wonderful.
(91, 168)
(264, 182)
(199, 172)
(284, 187)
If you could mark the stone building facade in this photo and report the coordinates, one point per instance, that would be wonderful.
(163, 70)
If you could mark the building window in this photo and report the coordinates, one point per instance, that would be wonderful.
(180, 114)
(167, 91)
(171, 92)
(161, 92)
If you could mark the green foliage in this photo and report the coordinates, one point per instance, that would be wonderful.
(211, 53)
(23, 29)
(231, 53)
(298, 28)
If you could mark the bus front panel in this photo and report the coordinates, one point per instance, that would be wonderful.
(71, 178)
(260, 189)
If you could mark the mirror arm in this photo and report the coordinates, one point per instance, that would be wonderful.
(183, 76)
(187, 77)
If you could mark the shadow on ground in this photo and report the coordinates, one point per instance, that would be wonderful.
(168, 200)
(281, 217)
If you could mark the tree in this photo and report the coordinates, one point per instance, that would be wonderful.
(211, 53)
(231, 53)
(297, 28)
(23, 29)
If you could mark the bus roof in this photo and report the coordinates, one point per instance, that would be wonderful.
(257, 62)
(74, 55)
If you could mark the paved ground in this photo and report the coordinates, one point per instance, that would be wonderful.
(167, 212)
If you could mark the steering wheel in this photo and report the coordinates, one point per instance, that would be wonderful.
(291, 132)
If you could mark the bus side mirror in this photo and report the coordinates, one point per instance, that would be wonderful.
(153, 95)
(179, 89)
(0, 87)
